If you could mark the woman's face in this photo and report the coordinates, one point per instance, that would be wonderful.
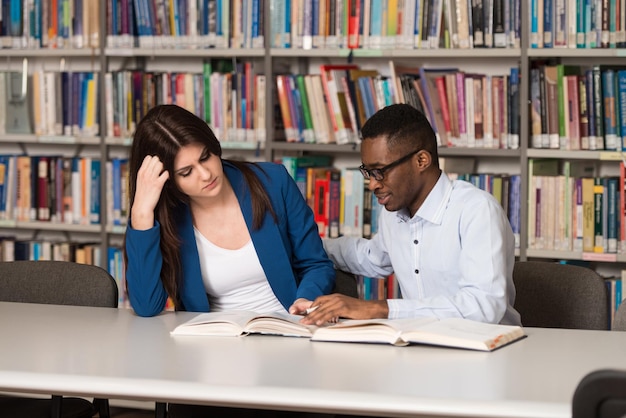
(197, 172)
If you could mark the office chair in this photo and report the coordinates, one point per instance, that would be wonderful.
(552, 295)
(56, 283)
(601, 394)
(345, 283)
(619, 321)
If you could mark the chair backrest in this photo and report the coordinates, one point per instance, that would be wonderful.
(57, 283)
(553, 295)
(600, 394)
(619, 321)
(345, 283)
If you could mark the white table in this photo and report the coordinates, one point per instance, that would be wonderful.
(113, 353)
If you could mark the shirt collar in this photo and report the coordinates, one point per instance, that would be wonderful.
(434, 206)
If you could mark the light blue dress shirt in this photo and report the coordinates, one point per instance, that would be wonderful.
(453, 258)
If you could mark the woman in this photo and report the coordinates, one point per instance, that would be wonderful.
(215, 234)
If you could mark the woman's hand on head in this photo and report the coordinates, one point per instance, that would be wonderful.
(151, 178)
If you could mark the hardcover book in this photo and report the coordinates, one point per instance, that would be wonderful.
(449, 332)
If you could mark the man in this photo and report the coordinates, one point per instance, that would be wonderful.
(448, 243)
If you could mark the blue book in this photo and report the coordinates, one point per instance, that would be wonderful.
(548, 24)
(621, 102)
(581, 18)
(140, 17)
(376, 24)
(612, 214)
(515, 184)
(367, 96)
(255, 32)
(610, 116)
(219, 25)
(295, 107)
(287, 21)
(15, 26)
(4, 179)
(591, 110)
(116, 168)
(36, 24)
(313, 22)
(94, 204)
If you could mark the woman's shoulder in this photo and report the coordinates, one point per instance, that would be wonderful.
(271, 167)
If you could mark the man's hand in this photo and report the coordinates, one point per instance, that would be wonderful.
(330, 307)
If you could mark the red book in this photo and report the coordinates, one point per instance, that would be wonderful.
(440, 82)
(354, 12)
(320, 212)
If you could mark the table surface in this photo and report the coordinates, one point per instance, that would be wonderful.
(114, 353)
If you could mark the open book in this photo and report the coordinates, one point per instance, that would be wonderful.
(451, 332)
(236, 323)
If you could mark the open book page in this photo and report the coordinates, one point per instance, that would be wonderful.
(387, 331)
(451, 332)
(236, 323)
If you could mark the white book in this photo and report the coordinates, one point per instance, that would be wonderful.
(448, 332)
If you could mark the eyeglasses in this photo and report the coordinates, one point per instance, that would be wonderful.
(379, 173)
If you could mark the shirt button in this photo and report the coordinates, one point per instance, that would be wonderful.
(415, 242)
(417, 271)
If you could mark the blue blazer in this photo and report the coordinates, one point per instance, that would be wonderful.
(290, 251)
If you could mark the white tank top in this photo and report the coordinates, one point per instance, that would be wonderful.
(234, 279)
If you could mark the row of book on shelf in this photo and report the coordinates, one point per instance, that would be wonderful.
(186, 24)
(378, 24)
(577, 24)
(343, 205)
(50, 24)
(133, 23)
(40, 249)
(577, 107)
(306, 24)
(62, 189)
(231, 98)
(465, 110)
(571, 208)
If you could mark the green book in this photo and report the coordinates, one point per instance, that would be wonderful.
(309, 131)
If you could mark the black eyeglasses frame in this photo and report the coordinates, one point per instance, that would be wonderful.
(379, 173)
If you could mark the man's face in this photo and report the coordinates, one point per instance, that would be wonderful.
(400, 185)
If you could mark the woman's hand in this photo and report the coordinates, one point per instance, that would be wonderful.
(300, 306)
(151, 178)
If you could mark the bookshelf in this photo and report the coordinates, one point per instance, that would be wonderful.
(122, 55)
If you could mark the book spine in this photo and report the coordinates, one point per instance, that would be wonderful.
(598, 191)
(612, 215)
(609, 110)
(583, 112)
